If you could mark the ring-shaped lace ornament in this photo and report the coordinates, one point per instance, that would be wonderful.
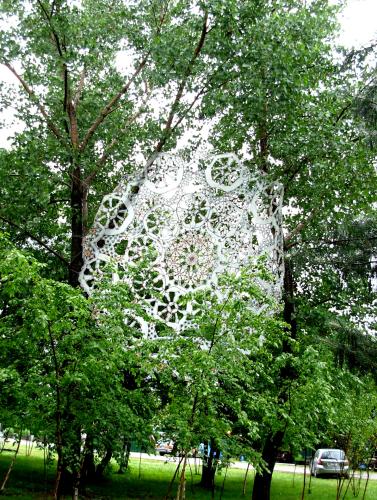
(194, 221)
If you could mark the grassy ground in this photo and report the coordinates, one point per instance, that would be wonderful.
(149, 479)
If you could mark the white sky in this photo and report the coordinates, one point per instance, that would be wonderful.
(358, 22)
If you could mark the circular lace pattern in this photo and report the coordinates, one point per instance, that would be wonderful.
(189, 222)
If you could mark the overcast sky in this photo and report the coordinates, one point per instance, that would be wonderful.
(358, 22)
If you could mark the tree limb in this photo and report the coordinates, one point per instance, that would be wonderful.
(40, 106)
(340, 241)
(35, 238)
(292, 173)
(109, 106)
(53, 7)
(68, 105)
(105, 155)
(79, 89)
(53, 32)
(288, 243)
(168, 125)
(343, 112)
(192, 104)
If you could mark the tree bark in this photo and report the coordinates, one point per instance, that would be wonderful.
(126, 450)
(77, 228)
(104, 463)
(88, 468)
(262, 482)
(274, 441)
(209, 466)
(11, 464)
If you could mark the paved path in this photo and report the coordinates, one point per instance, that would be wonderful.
(291, 468)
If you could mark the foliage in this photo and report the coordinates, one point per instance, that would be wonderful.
(63, 370)
(263, 75)
(210, 372)
(101, 85)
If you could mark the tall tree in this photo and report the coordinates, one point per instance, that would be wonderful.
(267, 76)
(287, 104)
(98, 83)
(86, 116)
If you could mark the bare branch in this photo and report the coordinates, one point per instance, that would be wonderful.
(173, 110)
(80, 87)
(288, 240)
(105, 155)
(187, 110)
(35, 238)
(40, 106)
(109, 106)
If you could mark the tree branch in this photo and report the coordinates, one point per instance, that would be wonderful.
(35, 238)
(109, 106)
(292, 173)
(79, 89)
(105, 155)
(192, 104)
(68, 105)
(288, 243)
(52, 8)
(40, 106)
(53, 32)
(168, 125)
(343, 112)
(340, 241)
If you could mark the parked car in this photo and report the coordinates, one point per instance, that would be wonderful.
(329, 462)
(164, 447)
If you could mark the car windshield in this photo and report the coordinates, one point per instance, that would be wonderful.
(333, 454)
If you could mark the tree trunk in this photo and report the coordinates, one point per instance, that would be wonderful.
(123, 463)
(77, 227)
(11, 464)
(88, 468)
(273, 441)
(210, 459)
(262, 482)
(66, 480)
(104, 463)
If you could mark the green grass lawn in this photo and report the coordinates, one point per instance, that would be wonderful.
(150, 479)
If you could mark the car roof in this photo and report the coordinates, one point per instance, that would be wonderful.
(321, 451)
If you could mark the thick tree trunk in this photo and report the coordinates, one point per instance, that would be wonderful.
(69, 481)
(104, 463)
(262, 482)
(209, 466)
(77, 227)
(273, 441)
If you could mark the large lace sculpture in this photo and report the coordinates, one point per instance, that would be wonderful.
(193, 221)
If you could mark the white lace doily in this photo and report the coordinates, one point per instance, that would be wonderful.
(194, 221)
